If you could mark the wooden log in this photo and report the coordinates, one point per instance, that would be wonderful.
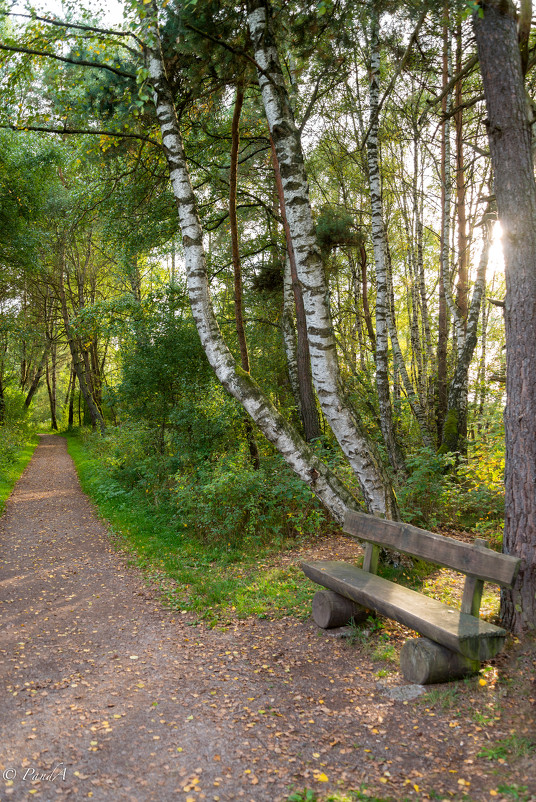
(473, 587)
(472, 637)
(425, 662)
(484, 564)
(330, 609)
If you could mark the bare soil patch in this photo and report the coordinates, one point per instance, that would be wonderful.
(107, 695)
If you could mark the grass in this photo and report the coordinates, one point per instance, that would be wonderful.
(12, 469)
(350, 796)
(214, 581)
(514, 746)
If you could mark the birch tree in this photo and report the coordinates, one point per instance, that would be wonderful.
(238, 382)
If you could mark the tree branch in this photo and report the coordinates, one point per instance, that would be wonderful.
(473, 61)
(81, 63)
(78, 26)
(228, 47)
(400, 67)
(43, 129)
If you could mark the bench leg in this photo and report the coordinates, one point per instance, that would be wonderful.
(425, 662)
(332, 610)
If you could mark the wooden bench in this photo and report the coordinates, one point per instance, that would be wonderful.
(455, 641)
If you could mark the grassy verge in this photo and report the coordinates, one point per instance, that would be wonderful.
(218, 583)
(11, 471)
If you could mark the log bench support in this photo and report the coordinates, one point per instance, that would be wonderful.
(455, 641)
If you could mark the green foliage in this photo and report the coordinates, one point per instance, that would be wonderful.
(17, 444)
(213, 579)
(422, 496)
(335, 227)
(472, 496)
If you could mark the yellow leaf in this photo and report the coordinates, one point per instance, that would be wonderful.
(493, 792)
(482, 682)
(321, 778)
(417, 788)
(383, 779)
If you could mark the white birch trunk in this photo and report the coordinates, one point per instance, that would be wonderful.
(329, 489)
(385, 322)
(456, 419)
(289, 335)
(357, 447)
(380, 252)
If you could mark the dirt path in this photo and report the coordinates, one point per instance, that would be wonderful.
(105, 695)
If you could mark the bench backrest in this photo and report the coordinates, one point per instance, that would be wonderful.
(467, 558)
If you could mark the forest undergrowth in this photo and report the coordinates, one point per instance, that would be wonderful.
(224, 540)
(17, 444)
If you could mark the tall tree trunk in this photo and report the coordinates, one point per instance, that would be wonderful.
(278, 431)
(455, 425)
(347, 428)
(444, 277)
(290, 342)
(80, 362)
(237, 267)
(463, 271)
(70, 421)
(308, 409)
(509, 134)
(51, 388)
(385, 319)
(380, 252)
(38, 375)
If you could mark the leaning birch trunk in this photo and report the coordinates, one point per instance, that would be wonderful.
(324, 483)
(359, 450)
(309, 412)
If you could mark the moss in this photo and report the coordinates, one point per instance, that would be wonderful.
(451, 434)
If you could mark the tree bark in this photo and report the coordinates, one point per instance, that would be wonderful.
(80, 362)
(443, 325)
(237, 267)
(355, 443)
(462, 290)
(38, 375)
(509, 135)
(380, 252)
(335, 496)
(308, 409)
(455, 425)
(51, 388)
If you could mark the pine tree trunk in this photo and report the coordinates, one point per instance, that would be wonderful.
(237, 267)
(509, 134)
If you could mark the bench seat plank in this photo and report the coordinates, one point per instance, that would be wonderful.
(484, 564)
(458, 631)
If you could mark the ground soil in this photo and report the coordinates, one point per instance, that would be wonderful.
(107, 695)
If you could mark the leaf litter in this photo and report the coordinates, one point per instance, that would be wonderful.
(108, 695)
